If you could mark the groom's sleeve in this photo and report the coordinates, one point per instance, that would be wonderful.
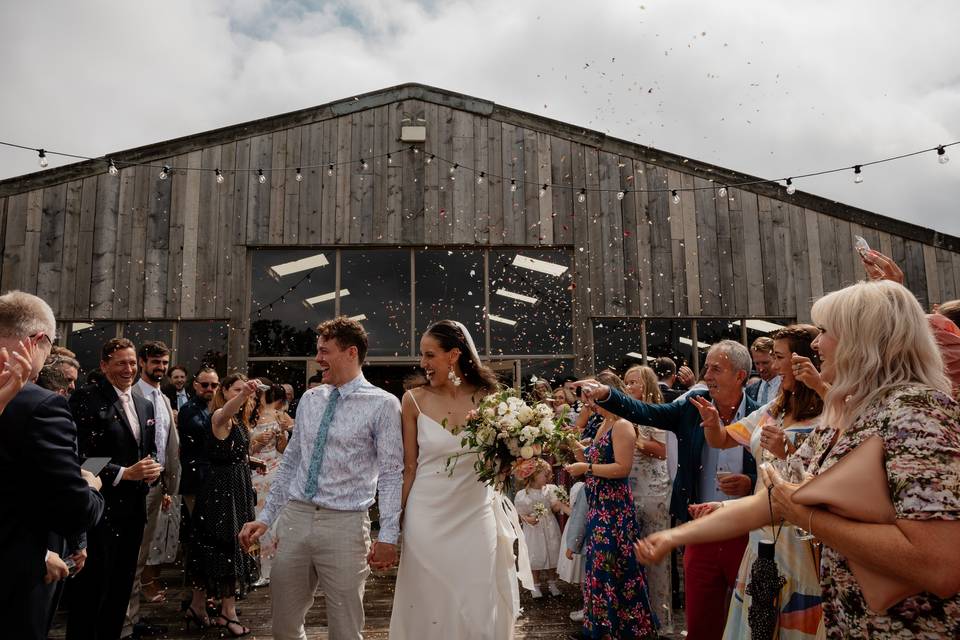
(389, 443)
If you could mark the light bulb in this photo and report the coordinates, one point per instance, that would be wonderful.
(621, 194)
(942, 156)
(112, 169)
(676, 197)
(299, 176)
(791, 189)
(330, 170)
(453, 168)
(262, 178)
(219, 176)
(389, 159)
(513, 186)
(43, 159)
(480, 178)
(583, 196)
(165, 172)
(857, 176)
(415, 150)
(363, 164)
(722, 192)
(543, 190)
(429, 159)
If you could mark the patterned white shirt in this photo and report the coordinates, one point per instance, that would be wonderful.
(363, 455)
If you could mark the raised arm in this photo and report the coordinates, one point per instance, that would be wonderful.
(221, 421)
(667, 416)
(411, 450)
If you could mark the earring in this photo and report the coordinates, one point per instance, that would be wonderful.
(454, 378)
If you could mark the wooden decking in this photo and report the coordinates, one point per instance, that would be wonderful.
(542, 619)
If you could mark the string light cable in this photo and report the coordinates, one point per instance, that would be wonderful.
(455, 168)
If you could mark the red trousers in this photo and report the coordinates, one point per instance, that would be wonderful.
(710, 575)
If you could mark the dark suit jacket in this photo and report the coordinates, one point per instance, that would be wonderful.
(683, 419)
(103, 431)
(43, 493)
(193, 423)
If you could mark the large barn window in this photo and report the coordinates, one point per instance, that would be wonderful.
(450, 285)
(375, 289)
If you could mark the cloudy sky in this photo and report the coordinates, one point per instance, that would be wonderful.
(766, 87)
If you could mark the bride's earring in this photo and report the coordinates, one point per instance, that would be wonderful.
(454, 378)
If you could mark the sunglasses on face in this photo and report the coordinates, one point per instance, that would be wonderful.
(209, 385)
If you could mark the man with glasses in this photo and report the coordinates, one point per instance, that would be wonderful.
(193, 425)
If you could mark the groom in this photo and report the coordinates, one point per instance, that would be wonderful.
(347, 444)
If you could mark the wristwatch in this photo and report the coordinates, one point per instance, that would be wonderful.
(590, 469)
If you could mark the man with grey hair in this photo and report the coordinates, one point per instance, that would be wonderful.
(38, 444)
(704, 475)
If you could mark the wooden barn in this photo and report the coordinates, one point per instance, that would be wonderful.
(562, 249)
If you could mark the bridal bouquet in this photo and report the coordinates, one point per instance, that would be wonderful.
(505, 431)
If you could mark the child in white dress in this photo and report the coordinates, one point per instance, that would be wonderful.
(536, 504)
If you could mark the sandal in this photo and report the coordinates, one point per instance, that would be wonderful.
(191, 616)
(227, 622)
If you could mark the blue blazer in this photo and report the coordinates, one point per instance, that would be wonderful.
(683, 419)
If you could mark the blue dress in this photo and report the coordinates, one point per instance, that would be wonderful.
(615, 597)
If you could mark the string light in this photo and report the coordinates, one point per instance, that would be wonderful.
(219, 176)
(415, 150)
(299, 176)
(389, 159)
(480, 177)
(454, 167)
(582, 197)
(165, 172)
(543, 190)
(513, 185)
(262, 178)
(112, 169)
(857, 175)
(676, 196)
(722, 192)
(363, 164)
(43, 159)
(330, 169)
(429, 158)
(621, 194)
(791, 189)
(942, 156)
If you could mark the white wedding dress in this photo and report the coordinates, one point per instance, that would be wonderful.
(458, 573)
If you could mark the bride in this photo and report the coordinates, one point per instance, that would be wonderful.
(457, 575)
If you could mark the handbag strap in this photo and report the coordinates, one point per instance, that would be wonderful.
(773, 525)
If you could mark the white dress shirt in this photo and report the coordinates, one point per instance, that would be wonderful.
(161, 418)
(363, 455)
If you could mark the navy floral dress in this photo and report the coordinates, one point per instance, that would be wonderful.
(615, 596)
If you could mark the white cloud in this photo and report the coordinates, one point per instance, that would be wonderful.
(767, 88)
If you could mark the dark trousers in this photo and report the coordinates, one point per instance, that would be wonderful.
(710, 576)
(100, 593)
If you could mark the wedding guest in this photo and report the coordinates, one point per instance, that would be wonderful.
(536, 503)
(225, 502)
(765, 389)
(176, 391)
(650, 483)
(903, 397)
(193, 425)
(68, 366)
(52, 379)
(268, 439)
(616, 603)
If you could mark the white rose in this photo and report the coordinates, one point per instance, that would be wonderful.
(489, 412)
(502, 408)
(544, 410)
(546, 425)
(514, 402)
(526, 452)
(525, 414)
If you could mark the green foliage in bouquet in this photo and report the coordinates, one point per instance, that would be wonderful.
(505, 431)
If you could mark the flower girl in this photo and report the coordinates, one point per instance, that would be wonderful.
(536, 504)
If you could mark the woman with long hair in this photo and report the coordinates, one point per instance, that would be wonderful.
(225, 502)
(457, 576)
(651, 486)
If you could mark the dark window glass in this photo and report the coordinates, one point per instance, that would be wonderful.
(292, 372)
(709, 332)
(759, 328)
(548, 369)
(285, 309)
(617, 343)
(670, 338)
(391, 377)
(86, 340)
(449, 286)
(140, 332)
(202, 343)
(530, 308)
(375, 289)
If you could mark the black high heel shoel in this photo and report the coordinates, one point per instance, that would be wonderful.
(245, 630)
(190, 616)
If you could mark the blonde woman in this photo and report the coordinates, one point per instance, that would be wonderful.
(651, 487)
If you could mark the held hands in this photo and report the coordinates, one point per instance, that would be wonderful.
(577, 469)
(147, 470)
(655, 547)
(249, 535)
(703, 509)
(708, 412)
(383, 555)
(91, 479)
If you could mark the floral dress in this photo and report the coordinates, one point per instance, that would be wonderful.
(615, 597)
(920, 428)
